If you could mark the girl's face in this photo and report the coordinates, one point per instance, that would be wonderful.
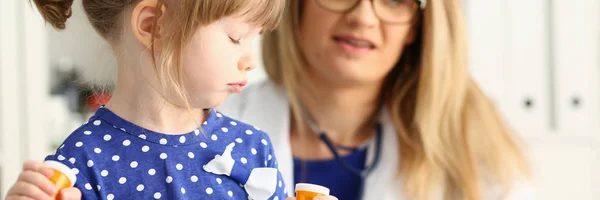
(217, 59)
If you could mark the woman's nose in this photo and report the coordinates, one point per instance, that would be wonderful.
(363, 14)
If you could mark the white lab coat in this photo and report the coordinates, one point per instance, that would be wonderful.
(265, 106)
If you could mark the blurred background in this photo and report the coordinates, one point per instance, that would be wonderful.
(539, 60)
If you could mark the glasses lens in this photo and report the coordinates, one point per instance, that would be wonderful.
(396, 11)
(337, 5)
(390, 11)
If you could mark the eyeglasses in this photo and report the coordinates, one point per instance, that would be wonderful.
(388, 11)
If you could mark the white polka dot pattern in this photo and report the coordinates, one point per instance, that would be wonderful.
(118, 159)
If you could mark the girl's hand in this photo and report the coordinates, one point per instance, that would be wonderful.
(34, 183)
(317, 198)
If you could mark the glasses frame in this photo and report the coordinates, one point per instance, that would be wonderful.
(422, 6)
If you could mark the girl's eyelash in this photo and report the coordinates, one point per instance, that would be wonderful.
(234, 41)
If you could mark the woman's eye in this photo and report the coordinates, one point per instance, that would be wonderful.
(234, 41)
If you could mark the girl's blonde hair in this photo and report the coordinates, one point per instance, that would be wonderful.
(185, 16)
(451, 138)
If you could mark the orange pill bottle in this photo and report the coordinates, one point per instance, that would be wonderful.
(306, 191)
(63, 176)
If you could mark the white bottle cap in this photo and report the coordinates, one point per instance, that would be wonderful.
(312, 188)
(63, 169)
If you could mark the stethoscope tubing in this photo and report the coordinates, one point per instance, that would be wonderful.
(363, 174)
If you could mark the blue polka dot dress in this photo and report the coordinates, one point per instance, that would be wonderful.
(224, 159)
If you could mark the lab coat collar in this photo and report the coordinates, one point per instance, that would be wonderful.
(270, 111)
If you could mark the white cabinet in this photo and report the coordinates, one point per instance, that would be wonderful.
(539, 61)
(527, 101)
(576, 46)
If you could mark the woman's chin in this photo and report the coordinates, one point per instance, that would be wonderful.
(348, 73)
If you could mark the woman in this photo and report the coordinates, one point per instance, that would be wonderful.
(385, 84)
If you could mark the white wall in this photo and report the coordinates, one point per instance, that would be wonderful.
(23, 89)
(9, 97)
(81, 46)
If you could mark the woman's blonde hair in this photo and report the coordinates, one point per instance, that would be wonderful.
(106, 16)
(452, 140)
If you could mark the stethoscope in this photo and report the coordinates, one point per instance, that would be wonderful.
(363, 174)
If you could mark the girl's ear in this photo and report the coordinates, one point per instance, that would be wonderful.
(143, 23)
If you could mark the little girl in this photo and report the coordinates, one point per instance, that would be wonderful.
(158, 137)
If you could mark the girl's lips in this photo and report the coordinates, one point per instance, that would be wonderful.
(237, 86)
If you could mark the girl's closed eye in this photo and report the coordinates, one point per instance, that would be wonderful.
(234, 41)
